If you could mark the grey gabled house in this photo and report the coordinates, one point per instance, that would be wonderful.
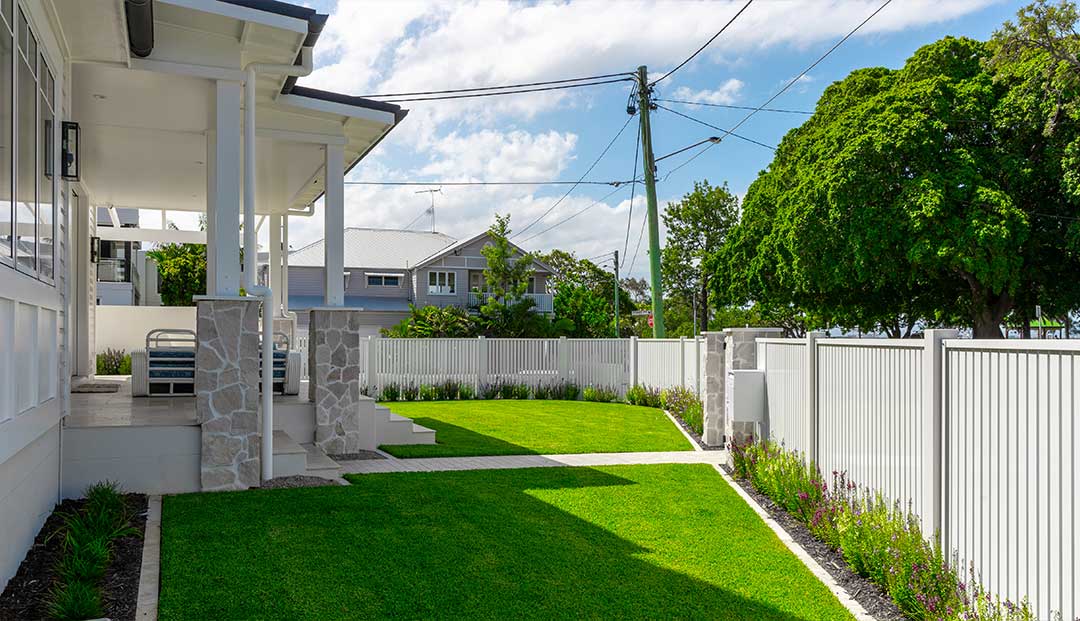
(386, 270)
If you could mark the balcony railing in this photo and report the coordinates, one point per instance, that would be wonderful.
(112, 270)
(542, 302)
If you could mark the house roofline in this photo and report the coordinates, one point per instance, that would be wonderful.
(465, 242)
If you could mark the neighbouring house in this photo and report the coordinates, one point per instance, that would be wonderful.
(386, 270)
(179, 105)
(126, 276)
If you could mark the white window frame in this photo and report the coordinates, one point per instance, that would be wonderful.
(379, 280)
(41, 63)
(445, 282)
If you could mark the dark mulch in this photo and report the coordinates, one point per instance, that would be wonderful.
(296, 480)
(695, 435)
(873, 599)
(357, 455)
(27, 593)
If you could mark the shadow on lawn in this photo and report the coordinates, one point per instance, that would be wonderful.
(475, 544)
(456, 441)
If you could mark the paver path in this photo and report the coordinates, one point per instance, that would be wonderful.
(435, 464)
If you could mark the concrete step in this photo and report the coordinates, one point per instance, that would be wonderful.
(317, 460)
(289, 457)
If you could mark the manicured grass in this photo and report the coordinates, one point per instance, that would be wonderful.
(510, 427)
(671, 541)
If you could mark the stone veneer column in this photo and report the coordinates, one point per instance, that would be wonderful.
(334, 380)
(227, 391)
(740, 352)
(713, 401)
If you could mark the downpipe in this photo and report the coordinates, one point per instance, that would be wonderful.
(251, 250)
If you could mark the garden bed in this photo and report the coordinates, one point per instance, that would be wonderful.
(26, 594)
(876, 602)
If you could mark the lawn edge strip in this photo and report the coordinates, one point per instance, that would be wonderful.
(689, 438)
(854, 607)
(146, 607)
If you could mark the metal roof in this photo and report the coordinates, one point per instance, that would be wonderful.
(376, 248)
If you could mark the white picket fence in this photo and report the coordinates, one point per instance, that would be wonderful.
(610, 363)
(978, 437)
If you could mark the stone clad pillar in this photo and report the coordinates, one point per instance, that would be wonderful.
(344, 417)
(227, 391)
(713, 397)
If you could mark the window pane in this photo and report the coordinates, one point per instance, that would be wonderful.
(46, 215)
(6, 7)
(391, 281)
(26, 177)
(22, 29)
(450, 279)
(431, 279)
(7, 92)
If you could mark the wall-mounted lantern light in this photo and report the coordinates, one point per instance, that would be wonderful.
(69, 151)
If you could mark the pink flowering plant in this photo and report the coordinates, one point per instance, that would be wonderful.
(879, 540)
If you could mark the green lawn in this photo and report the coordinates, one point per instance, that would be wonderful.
(658, 541)
(510, 427)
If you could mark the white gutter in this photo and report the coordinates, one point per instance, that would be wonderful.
(251, 249)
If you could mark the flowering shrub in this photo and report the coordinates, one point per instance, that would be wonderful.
(684, 404)
(878, 540)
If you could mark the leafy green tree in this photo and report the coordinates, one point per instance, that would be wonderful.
(923, 195)
(435, 322)
(181, 272)
(696, 228)
(585, 294)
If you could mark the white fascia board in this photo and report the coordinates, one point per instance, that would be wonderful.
(244, 14)
(339, 109)
(168, 236)
(198, 71)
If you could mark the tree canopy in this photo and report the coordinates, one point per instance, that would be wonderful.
(585, 295)
(930, 194)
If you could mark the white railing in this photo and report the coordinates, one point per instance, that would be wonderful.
(542, 302)
(978, 437)
(612, 363)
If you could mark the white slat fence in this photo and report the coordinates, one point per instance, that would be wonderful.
(978, 437)
(610, 363)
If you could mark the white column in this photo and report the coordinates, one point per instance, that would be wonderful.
(223, 199)
(285, 265)
(211, 189)
(274, 268)
(334, 225)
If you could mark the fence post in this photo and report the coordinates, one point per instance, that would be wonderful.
(697, 366)
(562, 352)
(682, 362)
(373, 366)
(482, 364)
(633, 362)
(933, 430)
(810, 405)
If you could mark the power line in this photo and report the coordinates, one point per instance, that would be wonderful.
(600, 256)
(696, 144)
(810, 68)
(641, 233)
(707, 43)
(733, 107)
(495, 88)
(730, 133)
(633, 190)
(513, 92)
(574, 215)
(468, 183)
(782, 90)
(579, 181)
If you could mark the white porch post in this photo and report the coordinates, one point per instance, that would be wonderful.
(223, 192)
(285, 265)
(274, 268)
(334, 225)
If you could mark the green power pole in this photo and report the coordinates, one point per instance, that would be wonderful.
(650, 197)
(616, 294)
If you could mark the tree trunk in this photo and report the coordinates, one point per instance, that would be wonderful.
(703, 305)
(989, 311)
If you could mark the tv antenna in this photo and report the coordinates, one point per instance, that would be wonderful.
(431, 210)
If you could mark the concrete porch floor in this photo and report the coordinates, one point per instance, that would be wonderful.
(121, 409)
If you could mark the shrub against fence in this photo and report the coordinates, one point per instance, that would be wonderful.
(609, 364)
(977, 437)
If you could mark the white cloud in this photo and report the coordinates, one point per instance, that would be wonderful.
(726, 93)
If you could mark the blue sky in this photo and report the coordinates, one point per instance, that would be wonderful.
(380, 47)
